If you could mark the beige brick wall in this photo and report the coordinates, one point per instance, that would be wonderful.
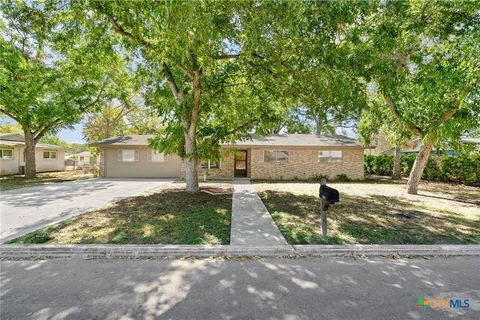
(303, 164)
(225, 170)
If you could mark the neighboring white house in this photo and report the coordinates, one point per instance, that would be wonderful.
(12, 155)
(82, 159)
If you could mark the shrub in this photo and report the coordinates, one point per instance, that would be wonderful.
(381, 165)
(462, 168)
(342, 178)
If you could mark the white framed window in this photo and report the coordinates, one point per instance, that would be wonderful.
(275, 156)
(128, 155)
(50, 155)
(210, 164)
(330, 156)
(156, 156)
(6, 154)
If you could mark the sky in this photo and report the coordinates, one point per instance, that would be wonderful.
(68, 135)
(72, 135)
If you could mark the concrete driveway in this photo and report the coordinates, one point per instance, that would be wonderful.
(27, 209)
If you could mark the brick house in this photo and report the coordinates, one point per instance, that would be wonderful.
(275, 157)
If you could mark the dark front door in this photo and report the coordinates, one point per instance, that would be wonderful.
(241, 163)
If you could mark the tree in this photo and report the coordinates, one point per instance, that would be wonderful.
(53, 139)
(326, 75)
(108, 122)
(9, 127)
(115, 120)
(143, 120)
(200, 64)
(425, 65)
(49, 76)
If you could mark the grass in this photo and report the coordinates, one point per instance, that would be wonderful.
(376, 213)
(18, 181)
(170, 216)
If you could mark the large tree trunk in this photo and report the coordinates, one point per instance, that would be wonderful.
(191, 138)
(191, 163)
(318, 125)
(30, 165)
(396, 164)
(418, 167)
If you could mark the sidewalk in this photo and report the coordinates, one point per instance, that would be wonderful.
(252, 225)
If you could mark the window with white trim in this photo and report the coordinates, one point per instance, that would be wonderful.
(210, 164)
(6, 154)
(128, 155)
(157, 156)
(275, 156)
(50, 155)
(330, 156)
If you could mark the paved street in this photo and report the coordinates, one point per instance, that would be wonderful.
(27, 209)
(312, 288)
(252, 224)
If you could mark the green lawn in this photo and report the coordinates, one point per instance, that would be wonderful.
(170, 216)
(18, 181)
(376, 213)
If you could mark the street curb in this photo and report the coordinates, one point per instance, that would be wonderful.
(30, 252)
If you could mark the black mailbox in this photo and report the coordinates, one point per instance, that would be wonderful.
(329, 194)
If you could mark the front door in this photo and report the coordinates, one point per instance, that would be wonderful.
(241, 163)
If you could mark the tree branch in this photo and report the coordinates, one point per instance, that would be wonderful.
(177, 94)
(120, 30)
(396, 115)
(10, 115)
(227, 56)
(246, 124)
(40, 132)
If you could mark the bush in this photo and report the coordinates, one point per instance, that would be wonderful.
(464, 168)
(381, 165)
(342, 178)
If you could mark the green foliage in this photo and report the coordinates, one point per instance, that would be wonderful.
(64, 73)
(463, 168)
(423, 70)
(381, 164)
(342, 178)
(8, 127)
(53, 139)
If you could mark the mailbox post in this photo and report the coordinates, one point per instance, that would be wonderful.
(327, 196)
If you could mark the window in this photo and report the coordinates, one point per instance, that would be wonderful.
(128, 155)
(157, 156)
(49, 154)
(330, 156)
(6, 154)
(210, 164)
(275, 156)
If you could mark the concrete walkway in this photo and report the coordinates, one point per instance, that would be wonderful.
(252, 225)
(27, 209)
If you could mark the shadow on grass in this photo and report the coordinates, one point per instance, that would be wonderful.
(460, 193)
(367, 220)
(167, 217)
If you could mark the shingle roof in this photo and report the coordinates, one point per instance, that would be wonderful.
(16, 139)
(130, 140)
(293, 140)
(12, 137)
(300, 140)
